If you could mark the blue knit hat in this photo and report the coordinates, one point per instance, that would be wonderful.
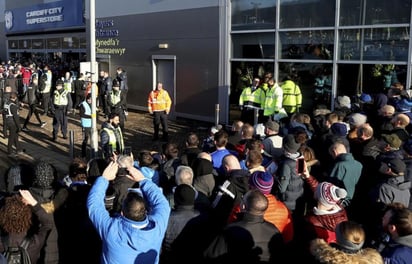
(263, 181)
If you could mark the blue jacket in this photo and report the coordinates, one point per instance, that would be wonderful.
(126, 241)
(398, 251)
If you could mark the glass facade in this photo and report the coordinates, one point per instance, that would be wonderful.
(335, 47)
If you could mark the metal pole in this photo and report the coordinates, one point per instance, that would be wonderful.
(71, 134)
(256, 116)
(217, 110)
(94, 139)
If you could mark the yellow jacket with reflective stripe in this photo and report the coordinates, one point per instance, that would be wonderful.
(159, 101)
(292, 96)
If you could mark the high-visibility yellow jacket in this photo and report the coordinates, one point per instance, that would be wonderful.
(273, 100)
(292, 96)
(159, 101)
(252, 98)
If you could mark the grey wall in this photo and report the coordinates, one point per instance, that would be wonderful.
(193, 37)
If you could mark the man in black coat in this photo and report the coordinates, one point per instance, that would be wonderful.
(249, 240)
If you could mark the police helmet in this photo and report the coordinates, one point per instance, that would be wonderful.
(116, 83)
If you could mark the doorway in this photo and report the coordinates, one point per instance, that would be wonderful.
(164, 70)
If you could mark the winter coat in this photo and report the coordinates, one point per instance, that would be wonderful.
(177, 221)
(346, 173)
(398, 251)
(393, 189)
(327, 254)
(38, 239)
(290, 185)
(250, 240)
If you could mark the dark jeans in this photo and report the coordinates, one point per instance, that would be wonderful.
(160, 117)
(87, 132)
(32, 110)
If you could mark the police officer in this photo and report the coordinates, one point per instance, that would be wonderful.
(273, 100)
(292, 95)
(11, 108)
(32, 102)
(251, 99)
(111, 137)
(86, 121)
(62, 104)
(4, 100)
(117, 102)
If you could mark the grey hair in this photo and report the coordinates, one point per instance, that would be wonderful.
(184, 175)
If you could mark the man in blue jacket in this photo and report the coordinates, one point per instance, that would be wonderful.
(136, 235)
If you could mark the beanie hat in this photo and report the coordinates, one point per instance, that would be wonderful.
(263, 181)
(366, 98)
(274, 126)
(339, 129)
(44, 175)
(357, 119)
(328, 194)
(393, 140)
(290, 145)
(344, 101)
(184, 195)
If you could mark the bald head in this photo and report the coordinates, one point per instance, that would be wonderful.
(230, 162)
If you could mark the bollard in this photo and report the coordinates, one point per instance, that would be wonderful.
(256, 116)
(71, 146)
(217, 115)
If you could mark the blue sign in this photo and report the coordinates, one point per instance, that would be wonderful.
(38, 18)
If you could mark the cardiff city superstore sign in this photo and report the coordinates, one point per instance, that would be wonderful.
(55, 15)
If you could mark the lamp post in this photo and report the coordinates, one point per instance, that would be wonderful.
(93, 69)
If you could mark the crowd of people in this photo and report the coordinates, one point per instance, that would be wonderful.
(278, 186)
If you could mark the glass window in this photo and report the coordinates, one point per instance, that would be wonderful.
(314, 81)
(354, 12)
(242, 75)
(307, 14)
(378, 44)
(253, 14)
(316, 45)
(254, 45)
(368, 78)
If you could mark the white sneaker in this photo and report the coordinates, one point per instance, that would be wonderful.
(126, 113)
(43, 124)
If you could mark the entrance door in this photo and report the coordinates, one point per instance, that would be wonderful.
(164, 70)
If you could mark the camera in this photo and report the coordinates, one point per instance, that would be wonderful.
(122, 172)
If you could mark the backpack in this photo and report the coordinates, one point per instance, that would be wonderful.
(17, 255)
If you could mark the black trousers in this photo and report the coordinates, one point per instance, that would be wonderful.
(13, 136)
(122, 116)
(60, 121)
(87, 133)
(32, 110)
(45, 102)
(3, 114)
(160, 117)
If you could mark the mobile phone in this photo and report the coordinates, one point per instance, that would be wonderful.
(127, 151)
(301, 165)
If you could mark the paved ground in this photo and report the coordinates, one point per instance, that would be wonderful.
(39, 146)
